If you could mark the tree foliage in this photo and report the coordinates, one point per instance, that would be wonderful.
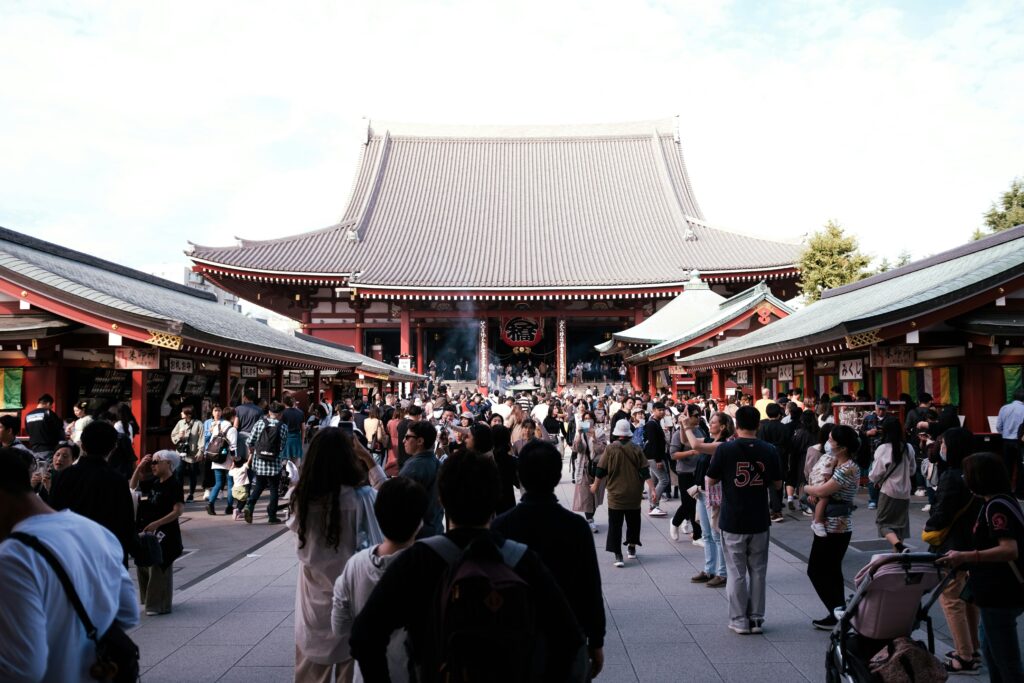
(831, 259)
(1007, 213)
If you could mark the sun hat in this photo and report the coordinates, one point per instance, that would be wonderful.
(622, 428)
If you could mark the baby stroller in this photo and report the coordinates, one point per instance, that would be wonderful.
(887, 605)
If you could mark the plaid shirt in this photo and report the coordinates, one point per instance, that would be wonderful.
(267, 468)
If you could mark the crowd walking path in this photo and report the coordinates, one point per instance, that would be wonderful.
(236, 623)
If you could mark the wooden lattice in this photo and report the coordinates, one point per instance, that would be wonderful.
(164, 340)
(856, 341)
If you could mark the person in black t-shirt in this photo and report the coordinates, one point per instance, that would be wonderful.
(747, 468)
(45, 429)
(158, 514)
(779, 435)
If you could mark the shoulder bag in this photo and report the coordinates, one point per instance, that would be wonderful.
(117, 656)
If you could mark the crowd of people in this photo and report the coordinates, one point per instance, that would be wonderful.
(431, 543)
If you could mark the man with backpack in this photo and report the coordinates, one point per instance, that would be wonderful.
(476, 607)
(266, 458)
(564, 541)
(41, 635)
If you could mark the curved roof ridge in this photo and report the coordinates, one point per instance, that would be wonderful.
(665, 126)
(275, 240)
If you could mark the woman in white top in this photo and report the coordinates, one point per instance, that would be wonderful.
(82, 419)
(332, 517)
(893, 472)
(221, 424)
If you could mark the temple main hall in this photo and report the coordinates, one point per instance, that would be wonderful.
(482, 244)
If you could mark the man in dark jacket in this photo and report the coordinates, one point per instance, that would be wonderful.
(654, 449)
(407, 593)
(93, 489)
(422, 468)
(45, 429)
(562, 539)
(777, 434)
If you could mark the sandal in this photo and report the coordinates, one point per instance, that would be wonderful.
(963, 668)
(975, 656)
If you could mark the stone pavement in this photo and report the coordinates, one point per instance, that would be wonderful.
(236, 624)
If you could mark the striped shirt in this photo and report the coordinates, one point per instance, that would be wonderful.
(848, 477)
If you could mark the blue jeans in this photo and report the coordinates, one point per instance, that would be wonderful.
(872, 489)
(220, 478)
(192, 469)
(259, 486)
(999, 645)
(714, 553)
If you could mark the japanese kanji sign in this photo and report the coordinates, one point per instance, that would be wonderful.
(131, 358)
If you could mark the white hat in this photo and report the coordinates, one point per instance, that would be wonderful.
(622, 428)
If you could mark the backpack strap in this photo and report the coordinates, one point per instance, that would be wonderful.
(443, 546)
(65, 580)
(511, 552)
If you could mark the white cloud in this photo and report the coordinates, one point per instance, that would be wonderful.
(127, 129)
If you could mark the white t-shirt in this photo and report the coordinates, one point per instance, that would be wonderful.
(41, 636)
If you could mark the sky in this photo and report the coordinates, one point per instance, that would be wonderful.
(129, 128)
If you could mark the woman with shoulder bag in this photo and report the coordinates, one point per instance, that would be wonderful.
(377, 436)
(588, 446)
(220, 451)
(949, 528)
(158, 514)
(187, 437)
(995, 580)
(892, 472)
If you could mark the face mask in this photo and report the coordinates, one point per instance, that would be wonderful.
(942, 453)
(585, 425)
(828, 448)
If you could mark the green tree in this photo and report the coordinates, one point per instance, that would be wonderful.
(903, 259)
(831, 259)
(1007, 213)
(883, 265)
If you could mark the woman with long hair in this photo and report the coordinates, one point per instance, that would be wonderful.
(709, 500)
(501, 443)
(893, 473)
(332, 518)
(953, 513)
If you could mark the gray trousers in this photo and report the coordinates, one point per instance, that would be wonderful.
(746, 561)
(156, 586)
(661, 479)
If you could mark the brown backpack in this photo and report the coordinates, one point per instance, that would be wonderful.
(907, 661)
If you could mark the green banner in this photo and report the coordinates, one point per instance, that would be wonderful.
(11, 388)
(1012, 379)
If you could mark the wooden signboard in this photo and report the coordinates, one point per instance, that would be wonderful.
(851, 369)
(892, 356)
(134, 358)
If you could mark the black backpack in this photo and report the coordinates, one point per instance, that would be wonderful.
(268, 444)
(485, 614)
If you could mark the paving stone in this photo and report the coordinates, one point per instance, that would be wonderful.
(241, 628)
(720, 644)
(195, 662)
(744, 672)
(259, 674)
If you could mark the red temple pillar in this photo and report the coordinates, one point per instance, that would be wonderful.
(139, 388)
(405, 332)
(718, 385)
(314, 395)
(756, 378)
(279, 381)
(808, 378)
(420, 364)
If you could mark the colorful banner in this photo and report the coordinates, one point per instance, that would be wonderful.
(10, 386)
(1013, 379)
(942, 383)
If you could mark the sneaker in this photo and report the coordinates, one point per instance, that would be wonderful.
(687, 527)
(819, 529)
(926, 508)
(703, 577)
(920, 493)
(757, 625)
(275, 520)
(777, 518)
(151, 613)
(189, 499)
(618, 561)
(228, 510)
(807, 512)
(657, 512)
(872, 505)
(593, 526)
(826, 624)
(791, 503)
(630, 552)
(699, 542)
(673, 531)
(210, 510)
(248, 515)
(742, 630)
(715, 582)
